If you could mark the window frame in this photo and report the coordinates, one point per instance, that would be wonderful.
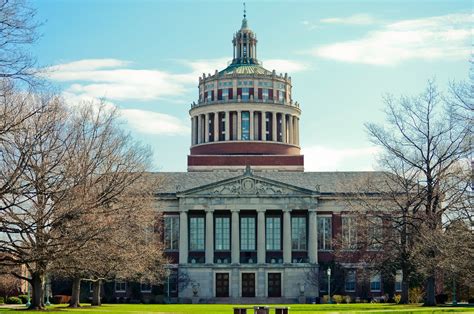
(301, 224)
(275, 237)
(247, 233)
(221, 236)
(352, 282)
(198, 247)
(321, 234)
(375, 274)
(174, 236)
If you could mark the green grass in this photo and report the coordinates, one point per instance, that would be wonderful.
(227, 308)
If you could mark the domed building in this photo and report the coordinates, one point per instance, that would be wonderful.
(245, 115)
(245, 223)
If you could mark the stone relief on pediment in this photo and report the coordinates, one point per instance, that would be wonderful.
(247, 186)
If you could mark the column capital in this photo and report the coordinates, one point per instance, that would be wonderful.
(209, 210)
(235, 210)
(286, 210)
(261, 210)
(312, 210)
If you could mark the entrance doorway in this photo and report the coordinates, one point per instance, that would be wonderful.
(274, 285)
(248, 285)
(222, 285)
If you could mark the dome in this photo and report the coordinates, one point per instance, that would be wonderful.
(240, 68)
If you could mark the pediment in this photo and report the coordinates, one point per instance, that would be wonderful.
(248, 185)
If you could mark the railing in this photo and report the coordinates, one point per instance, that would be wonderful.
(250, 100)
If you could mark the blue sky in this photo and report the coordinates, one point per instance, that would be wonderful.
(146, 56)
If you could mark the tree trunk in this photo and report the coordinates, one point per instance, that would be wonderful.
(37, 285)
(76, 292)
(96, 287)
(430, 291)
(404, 294)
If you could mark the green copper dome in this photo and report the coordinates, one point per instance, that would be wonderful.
(240, 68)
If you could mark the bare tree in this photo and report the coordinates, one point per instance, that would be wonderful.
(76, 167)
(17, 32)
(426, 146)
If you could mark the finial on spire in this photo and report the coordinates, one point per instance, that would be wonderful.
(245, 11)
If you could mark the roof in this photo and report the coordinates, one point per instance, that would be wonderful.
(240, 68)
(326, 182)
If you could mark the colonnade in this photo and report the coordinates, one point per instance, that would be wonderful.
(235, 237)
(228, 126)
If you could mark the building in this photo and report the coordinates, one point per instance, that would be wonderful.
(245, 222)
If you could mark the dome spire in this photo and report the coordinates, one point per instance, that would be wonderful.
(244, 21)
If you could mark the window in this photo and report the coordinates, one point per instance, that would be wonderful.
(265, 94)
(247, 233)
(245, 93)
(398, 280)
(374, 233)
(245, 125)
(324, 233)
(196, 234)
(298, 233)
(225, 94)
(350, 281)
(145, 286)
(222, 233)
(349, 238)
(273, 234)
(171, 232)
(375, 282)
(120, 286)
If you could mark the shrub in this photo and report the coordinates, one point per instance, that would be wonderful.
(2, 300)
(13, 300)
(397, 298)
(348, 299)
(337, 298)
(415, 295)
(325, 298)
(23, 298)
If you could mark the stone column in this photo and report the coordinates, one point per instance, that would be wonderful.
(290, 129)
(227, 125)
(235, 245)
(274, 126)
(209, 237)
(199, 123)
(312, 237)
(297, 139)
(283, 127)
(261, 249)
(239, 125)
(183, 237)
(206, 127)
(286, 236)
(192, 130)
(263, 126)
(252, 127)
(216, 127)
(294, 130)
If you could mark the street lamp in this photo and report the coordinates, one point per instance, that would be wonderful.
(329, 284)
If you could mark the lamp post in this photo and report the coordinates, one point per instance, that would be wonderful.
(329, 284)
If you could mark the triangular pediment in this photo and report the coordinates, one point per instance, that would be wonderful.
(248, 184)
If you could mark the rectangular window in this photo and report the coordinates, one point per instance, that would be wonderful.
(145, 286)
(120, 286)
(324, 233)
(375, 282)
(273, 233)
(298, 233)
(374, 233)
(247, 233)
(245, 125)
(196, 233)
(349, 238)
(222, 230)
(398, 280)
(350, 281)
(265, 94)
(245, 93)
(171, 232)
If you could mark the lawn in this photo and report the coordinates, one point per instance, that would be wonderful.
(227, 308)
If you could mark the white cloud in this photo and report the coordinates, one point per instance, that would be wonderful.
(320, 158)
(142, 121)
(440, 37)
(115, 80)
(356, 19)
(150, 122)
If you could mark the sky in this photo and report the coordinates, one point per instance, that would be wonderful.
(145, 58)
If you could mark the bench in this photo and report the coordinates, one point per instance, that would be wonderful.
(262, 310)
